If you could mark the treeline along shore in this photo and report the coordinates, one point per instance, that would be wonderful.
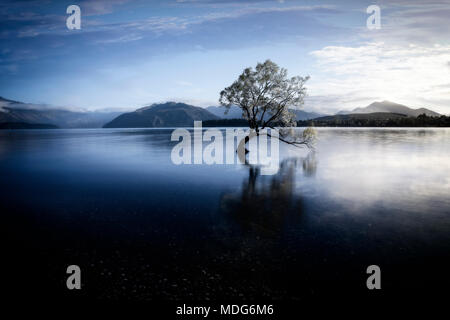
(378, 119)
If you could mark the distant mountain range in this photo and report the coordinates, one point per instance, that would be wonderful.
(236, 113)
(14, 114)
(23, 125)
(19, 112)
(361, 116)
(377, 119)
(387, 106)
(169, 114)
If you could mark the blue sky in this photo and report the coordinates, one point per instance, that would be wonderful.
(130, 54)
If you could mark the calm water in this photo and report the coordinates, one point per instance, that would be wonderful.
(140, 227)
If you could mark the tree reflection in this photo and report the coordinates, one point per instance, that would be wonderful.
(264, 203)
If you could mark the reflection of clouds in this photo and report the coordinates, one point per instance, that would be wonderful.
(409, 171)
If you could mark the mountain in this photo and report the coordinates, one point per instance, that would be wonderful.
(305, 115)
(377, 119)
(236, 113)
(169, 114)
(361, 116)
(14, 111)
(387, 106)
(23, 125)
(233, 113)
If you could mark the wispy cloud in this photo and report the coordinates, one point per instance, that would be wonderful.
(122, 39)
(417, 22)
(208, 41)
(100, 7)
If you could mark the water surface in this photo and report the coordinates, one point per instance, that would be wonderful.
(140, 227)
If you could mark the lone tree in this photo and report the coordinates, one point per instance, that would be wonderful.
(266, 96)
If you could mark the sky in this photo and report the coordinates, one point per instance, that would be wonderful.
(130, 54)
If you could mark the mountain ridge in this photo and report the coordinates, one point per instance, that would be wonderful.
(19, 112)
(23, 125)
(392, 107)
(236, 113)
(169, 114)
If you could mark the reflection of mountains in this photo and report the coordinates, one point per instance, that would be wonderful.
(264, 202)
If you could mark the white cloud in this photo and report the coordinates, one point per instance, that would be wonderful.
(412, 21)
(121, 39)
(415, 75)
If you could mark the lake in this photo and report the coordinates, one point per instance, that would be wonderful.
(142, 228)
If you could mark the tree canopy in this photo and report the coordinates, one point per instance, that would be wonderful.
(265, 95)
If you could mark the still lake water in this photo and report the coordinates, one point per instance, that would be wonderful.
(140, 227)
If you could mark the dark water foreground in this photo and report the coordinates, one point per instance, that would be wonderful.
(141, 228)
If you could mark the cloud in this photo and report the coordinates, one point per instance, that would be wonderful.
(28, 24)
(355, 66)
(414, 75)
(100, 7)
(9, 68)
(122, 39)
(214, 29)
(405, 22)
(405, 61)
(159, 25)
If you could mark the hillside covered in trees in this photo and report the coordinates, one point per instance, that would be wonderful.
(377, 120)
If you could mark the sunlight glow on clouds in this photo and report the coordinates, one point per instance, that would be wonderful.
(404, 74)
(129, 53)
